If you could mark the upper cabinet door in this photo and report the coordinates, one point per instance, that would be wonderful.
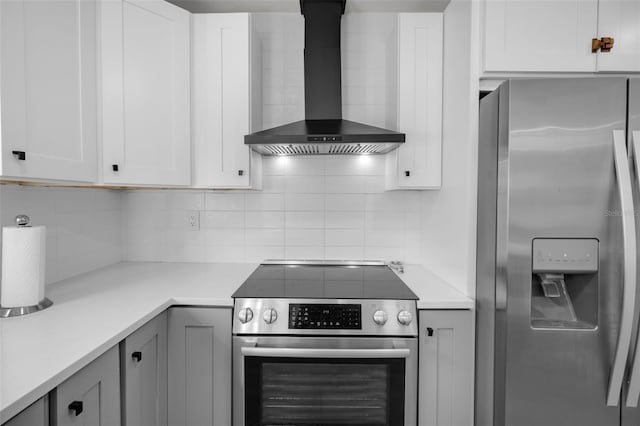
(146, 107)
(48, 89)
(222, 100)
(532, 35)
(417, 164)
(620, 19)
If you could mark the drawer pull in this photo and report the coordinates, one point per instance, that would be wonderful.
(240, 172)
(137, 356)
(76, 406)
(114, 167)
(20, 154)
(407, 173)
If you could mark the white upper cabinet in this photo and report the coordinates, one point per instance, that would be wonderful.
(145, 93)
(417, 163)
(48, 89)
(531, 35)
(223, 87)
(620, 19)
(556, 35)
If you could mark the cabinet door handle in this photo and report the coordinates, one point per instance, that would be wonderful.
(240, 172)
(407, 173)
(76, 406)
(429, 331)
(137, 356)
(114, 167)
(20, 154)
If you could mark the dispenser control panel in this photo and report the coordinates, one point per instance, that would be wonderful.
(569, 255)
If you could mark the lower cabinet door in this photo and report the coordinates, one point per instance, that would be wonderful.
(200, 366)
(143, 360)
(91, 397)
(37, 414)
(446, 368)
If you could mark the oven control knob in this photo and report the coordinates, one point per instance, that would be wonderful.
(404, 317)
(380, 317)
(245, 315)
(270, 316)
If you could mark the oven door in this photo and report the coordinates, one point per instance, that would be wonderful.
(299, 381)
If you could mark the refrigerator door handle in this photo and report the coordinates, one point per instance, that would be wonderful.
(634, 382)
(629, 273)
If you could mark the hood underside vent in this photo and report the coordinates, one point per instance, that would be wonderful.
(324, 148)
(323, 131)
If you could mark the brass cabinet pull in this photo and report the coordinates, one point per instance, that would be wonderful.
(604, 44)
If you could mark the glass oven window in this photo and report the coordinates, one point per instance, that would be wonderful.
(324, 391)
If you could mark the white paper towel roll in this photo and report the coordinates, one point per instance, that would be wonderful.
(23, 262)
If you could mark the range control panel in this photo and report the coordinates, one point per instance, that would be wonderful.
(325, 316)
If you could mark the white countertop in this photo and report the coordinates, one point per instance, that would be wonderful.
(94, 311)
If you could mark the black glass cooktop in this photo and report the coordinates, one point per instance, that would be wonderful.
(324, 282)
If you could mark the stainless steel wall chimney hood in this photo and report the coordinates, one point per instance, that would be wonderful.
(323, 131)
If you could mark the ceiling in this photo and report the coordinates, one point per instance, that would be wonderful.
(225, 6)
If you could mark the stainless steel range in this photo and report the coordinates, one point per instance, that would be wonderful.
(324, 343)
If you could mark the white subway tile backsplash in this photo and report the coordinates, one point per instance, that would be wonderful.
(264, 219)
(83, 226)
(335, 219)
(259, 253)
(304, 220)
(344, 237)
(263, 202)
(226, 201)
(344, 202)
(222, 219)
(325, 207)
(304, 252)
(305, 184)
(344, 252)
(304, 237)
(346, 184)
(304, 202)
(264, 237)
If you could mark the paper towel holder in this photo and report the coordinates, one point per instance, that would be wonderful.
(22, 220)
(24, 310)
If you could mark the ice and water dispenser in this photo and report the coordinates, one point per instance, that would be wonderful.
(564, 283)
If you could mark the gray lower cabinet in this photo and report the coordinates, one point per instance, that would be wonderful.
(37, 414)
(143, 363)
(91, 396)
(445, 394)
(199, 366)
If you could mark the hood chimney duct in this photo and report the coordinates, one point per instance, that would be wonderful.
(322, 61)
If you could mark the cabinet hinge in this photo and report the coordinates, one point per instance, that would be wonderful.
(604, 44)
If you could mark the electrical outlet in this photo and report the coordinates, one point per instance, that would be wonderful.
(193, 220)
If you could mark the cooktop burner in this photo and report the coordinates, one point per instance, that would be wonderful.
(324, 280)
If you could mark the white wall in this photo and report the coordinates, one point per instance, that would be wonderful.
(83, 225)
(449, 215)
(310, 208)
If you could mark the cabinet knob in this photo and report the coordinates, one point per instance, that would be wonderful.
(240, 172)
(20, 154)
(76, 406)
(114, 167)
(429, 331)
(407, 173)
(137, 356)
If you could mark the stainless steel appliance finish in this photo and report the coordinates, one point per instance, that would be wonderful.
(553, 166)
(324, 342)
(283, 348)
(379, 317)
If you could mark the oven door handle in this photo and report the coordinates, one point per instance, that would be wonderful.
(324, 353)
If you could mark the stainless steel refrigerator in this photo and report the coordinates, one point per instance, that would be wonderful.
(557, 299)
